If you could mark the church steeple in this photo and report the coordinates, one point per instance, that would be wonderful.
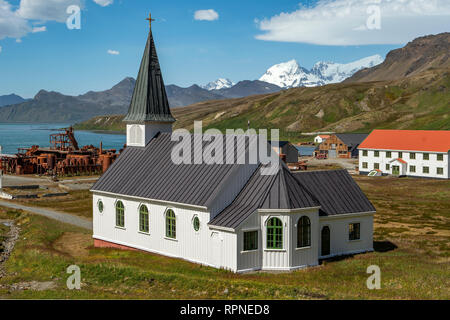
(149, 108)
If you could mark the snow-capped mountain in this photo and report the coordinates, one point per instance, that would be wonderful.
(219, 84)
(290, 74)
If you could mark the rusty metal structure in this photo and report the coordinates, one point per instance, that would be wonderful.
(64, 157)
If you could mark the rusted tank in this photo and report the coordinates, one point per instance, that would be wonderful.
(64, 157)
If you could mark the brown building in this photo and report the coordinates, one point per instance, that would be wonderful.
(342, 145)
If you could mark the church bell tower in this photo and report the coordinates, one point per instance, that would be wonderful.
(149, 111)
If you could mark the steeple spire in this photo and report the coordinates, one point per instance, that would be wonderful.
(149, 101)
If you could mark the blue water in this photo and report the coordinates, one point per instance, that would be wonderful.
(13, 136)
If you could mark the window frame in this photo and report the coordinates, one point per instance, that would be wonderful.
(120, 214)
(412, 156)
(354, 234)
(196, 223)
(171, 224)
(246, 240)
(100, 206)
(365, 153)
(412, 169)
(388, 154)
(441, 173)
(365, 165)
(376, 166)
(400, 155)
(303, 226)
(426, 156)
(146, 221)
(439, 157)
(376, 154)
(427, 171)
(274, 234)
(388, 166)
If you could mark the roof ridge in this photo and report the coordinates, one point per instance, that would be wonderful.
(303, 187)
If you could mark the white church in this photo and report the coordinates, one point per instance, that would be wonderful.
(227, 216)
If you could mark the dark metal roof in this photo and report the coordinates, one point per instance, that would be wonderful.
(352, 140)
(280, 191)
(149, 173)
(336, 191)
(149, 101)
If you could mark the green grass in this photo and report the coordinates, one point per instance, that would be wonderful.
(412, 236)
(76, 202)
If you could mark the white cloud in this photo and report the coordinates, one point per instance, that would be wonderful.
(39, 29)
(113, 52)
(104, 3)
(207, 15)
(11, 24)
(345, 22)
(19, 40)
(46, 10)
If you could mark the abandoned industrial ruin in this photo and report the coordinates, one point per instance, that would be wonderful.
(63, 157)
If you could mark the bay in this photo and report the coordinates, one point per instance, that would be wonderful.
(25, 135)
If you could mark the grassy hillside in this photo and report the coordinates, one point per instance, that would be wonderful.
(419, 102)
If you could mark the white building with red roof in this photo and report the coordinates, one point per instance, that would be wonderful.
(414, 153)
(321, 138)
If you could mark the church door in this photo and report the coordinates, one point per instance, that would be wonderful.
(325, 241)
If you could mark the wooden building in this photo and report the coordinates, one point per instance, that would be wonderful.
(342, 145)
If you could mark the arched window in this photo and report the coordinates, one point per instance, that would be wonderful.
(171, 228)
(274, 234)
(136, 134)
(120, 214)
(143, 219)
(303, 232)
(196, 223)
(100, 206)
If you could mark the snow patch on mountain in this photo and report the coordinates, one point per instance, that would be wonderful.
(290, 74)
(219, 84)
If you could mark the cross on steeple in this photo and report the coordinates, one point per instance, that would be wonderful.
(150, 20)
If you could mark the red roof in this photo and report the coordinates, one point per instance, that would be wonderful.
(326, 136)
(408, 140)
(400, 160)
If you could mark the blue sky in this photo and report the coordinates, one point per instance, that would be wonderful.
(248, 37)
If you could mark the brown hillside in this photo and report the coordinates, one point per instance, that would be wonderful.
(422, 54)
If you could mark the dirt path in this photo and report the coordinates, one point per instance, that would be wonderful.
(8, 244)
(59, 216)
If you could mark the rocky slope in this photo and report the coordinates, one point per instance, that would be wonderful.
(425, 53)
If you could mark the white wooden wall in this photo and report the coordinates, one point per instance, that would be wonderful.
(222, 248)
(419, 162)
(339, 233)
(290, 257)
(189, 244)
(145, 132)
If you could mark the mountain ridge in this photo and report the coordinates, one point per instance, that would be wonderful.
(291, 75)
(11, 99)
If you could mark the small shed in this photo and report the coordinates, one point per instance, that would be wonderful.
(288, 149)
(321, 138)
